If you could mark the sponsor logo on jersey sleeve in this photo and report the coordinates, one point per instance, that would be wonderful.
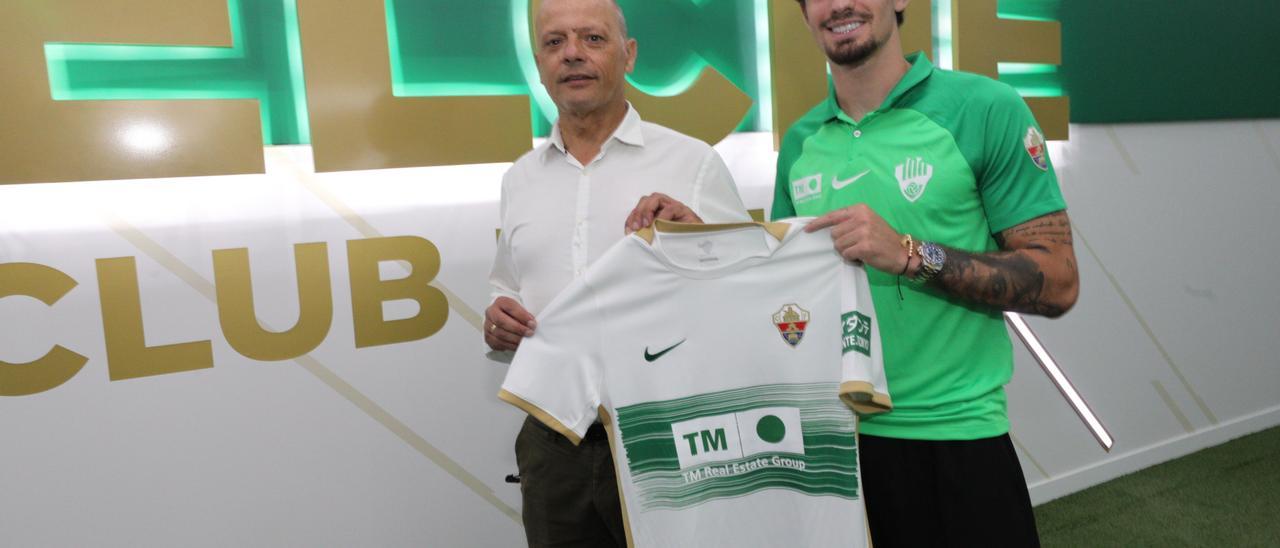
(857, 332)
(806, 188)
(913, 176)
(1033, 141)
(791, 321)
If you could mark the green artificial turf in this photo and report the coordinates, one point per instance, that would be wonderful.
(1227, 495)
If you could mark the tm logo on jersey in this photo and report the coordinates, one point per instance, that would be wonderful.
(806, 189)
(731, 443)
(913, 177)
(735, 436)
(791, 321)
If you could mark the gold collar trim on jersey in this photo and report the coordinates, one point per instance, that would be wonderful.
(777, 230)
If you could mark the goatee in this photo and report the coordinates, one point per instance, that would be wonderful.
(855, 56)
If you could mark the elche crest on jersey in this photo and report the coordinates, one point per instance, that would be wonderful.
(1036, 148)
(791, 321)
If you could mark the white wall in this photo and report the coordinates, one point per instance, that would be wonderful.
(1176, 335)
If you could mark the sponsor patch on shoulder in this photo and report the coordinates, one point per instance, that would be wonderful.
(857, 332)
(1034, 143)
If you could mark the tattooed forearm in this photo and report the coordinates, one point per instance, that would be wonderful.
(1034, 273)
(1008, 281)
(1054, 228)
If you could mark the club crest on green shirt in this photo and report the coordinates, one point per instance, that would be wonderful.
(1036, 148)
(913, 176)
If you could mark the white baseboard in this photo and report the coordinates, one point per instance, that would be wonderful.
(1082, 478)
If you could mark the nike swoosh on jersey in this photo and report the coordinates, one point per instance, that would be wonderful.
(651, 357)
(838, 184)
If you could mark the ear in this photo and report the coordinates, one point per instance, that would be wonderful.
(900, 5)
(633, 48)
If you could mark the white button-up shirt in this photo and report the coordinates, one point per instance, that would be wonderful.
(559, 216)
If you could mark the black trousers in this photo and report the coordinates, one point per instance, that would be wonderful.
(570, 494)
(945, 493)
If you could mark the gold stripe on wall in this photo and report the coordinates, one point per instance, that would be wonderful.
(1027, 454)
(371, 408)
(1122, 151)
(1173, 408)
(1133, 309)
(367, 230)
(1266, 143)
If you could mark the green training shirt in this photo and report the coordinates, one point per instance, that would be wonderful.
(950, 158)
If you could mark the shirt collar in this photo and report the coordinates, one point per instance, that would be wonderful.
(920, 70)
(628, 132)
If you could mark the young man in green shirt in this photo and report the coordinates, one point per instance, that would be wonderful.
(940, 183)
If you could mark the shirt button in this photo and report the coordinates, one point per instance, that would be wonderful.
(857, 133)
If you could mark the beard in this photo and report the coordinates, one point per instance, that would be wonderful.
(851, 56)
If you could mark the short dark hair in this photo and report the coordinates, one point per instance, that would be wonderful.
(899, 14)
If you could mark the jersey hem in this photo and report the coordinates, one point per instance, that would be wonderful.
(542, 416)
(939, 432)
(862, 397)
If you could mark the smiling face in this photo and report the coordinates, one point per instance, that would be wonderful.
(852, 31)
(583, 54)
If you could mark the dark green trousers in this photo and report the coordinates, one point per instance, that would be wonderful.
(570, 493)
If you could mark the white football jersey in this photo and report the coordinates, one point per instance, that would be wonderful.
(718, 357)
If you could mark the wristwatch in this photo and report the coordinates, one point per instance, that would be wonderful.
(932, 257)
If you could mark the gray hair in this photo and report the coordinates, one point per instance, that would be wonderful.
(622, 18)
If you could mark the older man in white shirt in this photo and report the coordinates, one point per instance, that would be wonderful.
(563, 205)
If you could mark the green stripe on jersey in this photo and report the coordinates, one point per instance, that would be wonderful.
(690, 450)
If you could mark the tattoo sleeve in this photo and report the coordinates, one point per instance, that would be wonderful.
(1035, 271)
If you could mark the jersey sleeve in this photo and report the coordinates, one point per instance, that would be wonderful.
(555, 375)
(862, 384)
(1017, 181)
(716, 198)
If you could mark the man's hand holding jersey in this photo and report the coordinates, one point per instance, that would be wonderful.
(862, 236)
(659, 206)
(506, 323)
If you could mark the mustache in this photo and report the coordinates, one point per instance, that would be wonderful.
(845, 13)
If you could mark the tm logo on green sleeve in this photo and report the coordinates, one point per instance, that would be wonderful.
(857, 332)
